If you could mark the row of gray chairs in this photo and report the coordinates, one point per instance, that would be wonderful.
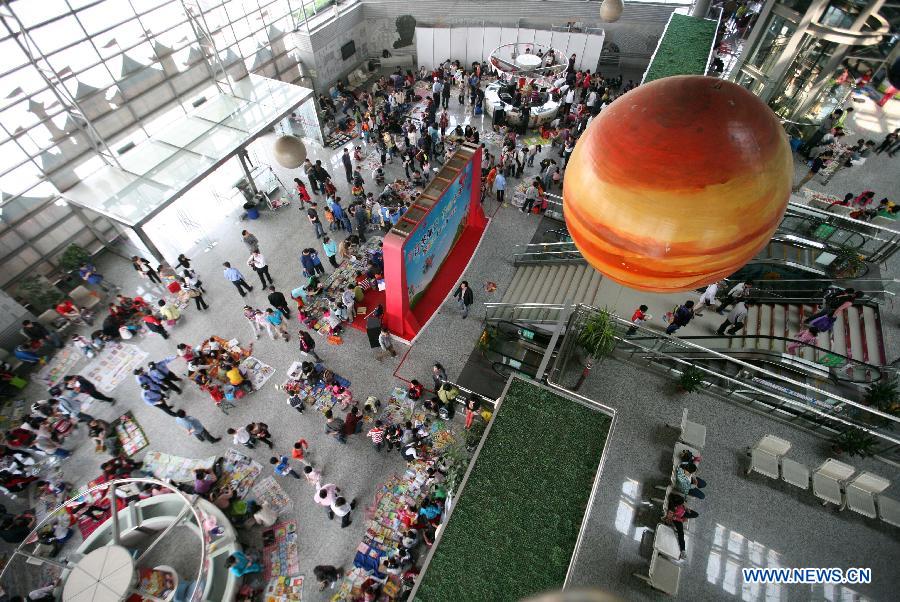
(832, 482)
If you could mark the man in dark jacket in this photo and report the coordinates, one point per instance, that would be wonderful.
(683, 315)
(465, 297)
(277, 300)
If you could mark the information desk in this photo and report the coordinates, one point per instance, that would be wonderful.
(539, 114)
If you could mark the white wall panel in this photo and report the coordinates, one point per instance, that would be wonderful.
(441, 45)
(543, 37)
(474, 45)
(508, 35)
(425, 46)
(560, 41)
(526, 35)
(491, 41)
(592, 52)
(576, 44)
(458, 43)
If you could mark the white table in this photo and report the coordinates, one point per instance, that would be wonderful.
(104, 575)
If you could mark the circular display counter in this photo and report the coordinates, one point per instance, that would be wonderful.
(495, 98)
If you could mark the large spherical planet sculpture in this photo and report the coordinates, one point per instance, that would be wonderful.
(289, 151)
(677, 183)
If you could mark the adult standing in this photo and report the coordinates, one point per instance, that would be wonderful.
(322, 175)
(313, 216)
(234, 276)
(145, 269)
(90, 275)
(309, 170)
(348, 165)
(302, 192)
(38, 332)
(815, 167)
(80, 384)
(445, 95)
(308, 345)
(258, 264)
(386, 342)
(531, 195)
(465, 297)
(160, 372)
(341, 508)
(500, 186)
(436, 88)
(250, 240)
(330, 249)
(156, 399)
(325, 496)
(361, 222)
(276, 299)
(194, 427)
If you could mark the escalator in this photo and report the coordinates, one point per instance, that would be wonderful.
(790, 257)
(829, 372)
(513, 348)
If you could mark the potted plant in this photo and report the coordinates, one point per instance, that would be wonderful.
(597, 338)
(883, 396)
(854, 442)
(691, 379)
(848, 263)
(38, 293)
(73, 257)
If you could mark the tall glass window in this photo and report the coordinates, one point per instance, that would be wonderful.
(778, 31)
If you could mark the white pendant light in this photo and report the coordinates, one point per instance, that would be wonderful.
(611, 10)
(289, 151)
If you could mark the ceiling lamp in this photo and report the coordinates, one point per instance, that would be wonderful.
(611, 10)
(289, 151)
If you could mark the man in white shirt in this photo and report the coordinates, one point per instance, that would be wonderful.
(735, 319)
(738, 291)
(707, 298)
(567, 104)
(436, 88)
(258, 263)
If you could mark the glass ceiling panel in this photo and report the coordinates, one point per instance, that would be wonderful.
(159, 170)
(219, 108)
(146, 156)
(182, 132)
(180, 169)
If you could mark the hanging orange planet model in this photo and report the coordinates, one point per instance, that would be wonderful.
(677, 184)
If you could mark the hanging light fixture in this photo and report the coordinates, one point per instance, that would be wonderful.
(289, 151)
(611, 10)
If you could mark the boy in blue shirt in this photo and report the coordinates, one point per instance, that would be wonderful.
(282, 467)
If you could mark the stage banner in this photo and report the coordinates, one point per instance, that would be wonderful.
(427, 251)
(430, 244)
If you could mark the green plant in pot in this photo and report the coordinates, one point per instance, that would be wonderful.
(73, 258)
(848, 263)
(38, 293)
(597, 338)
(883, 396)
(854, 442)
(691, 379)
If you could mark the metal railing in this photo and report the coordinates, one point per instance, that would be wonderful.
(532, 313)
(790, 400)
(555, 252)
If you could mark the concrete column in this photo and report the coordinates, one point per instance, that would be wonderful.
(775, 75)
(151, 246)
(701, 7)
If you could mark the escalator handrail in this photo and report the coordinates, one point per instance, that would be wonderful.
(656, 335)
(848, 359)
(792, 206)
(817, 221)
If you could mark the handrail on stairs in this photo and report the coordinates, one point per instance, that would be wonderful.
(838, 402)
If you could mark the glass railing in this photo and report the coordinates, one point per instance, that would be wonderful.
(784, 396)
(547, 252)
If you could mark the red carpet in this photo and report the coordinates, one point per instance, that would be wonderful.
(372, 298)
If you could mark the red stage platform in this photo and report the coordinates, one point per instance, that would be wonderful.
(427, 251)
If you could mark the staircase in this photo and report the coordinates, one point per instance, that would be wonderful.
(857, 334)
(548, 286)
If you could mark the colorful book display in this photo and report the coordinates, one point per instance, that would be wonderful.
(280, 555)
(130, 434)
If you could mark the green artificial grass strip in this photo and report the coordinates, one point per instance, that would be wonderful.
(684, 49)
(515, 525)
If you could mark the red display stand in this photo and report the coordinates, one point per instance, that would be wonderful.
(427, 251)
